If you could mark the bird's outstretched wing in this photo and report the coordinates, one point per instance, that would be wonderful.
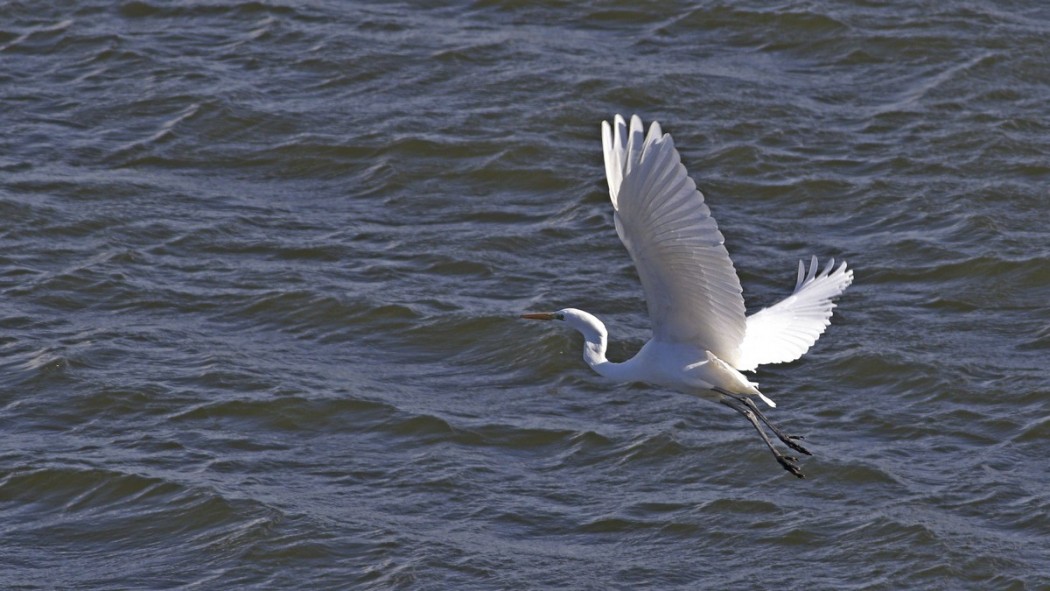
(787, 329)
(691, 287)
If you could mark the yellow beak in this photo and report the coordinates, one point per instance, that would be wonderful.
(539, 316)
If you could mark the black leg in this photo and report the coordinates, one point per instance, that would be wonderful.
(789, 463)
(789, 440)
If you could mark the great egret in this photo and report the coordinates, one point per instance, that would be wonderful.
(701, 338)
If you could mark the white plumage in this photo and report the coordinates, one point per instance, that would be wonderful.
(702, 339)
(787, 329)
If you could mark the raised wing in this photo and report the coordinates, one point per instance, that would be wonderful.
(787, 329)
(691, 287)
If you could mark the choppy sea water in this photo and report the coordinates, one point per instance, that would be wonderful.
(261, 265)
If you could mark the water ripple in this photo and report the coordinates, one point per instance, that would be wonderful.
(262, 263)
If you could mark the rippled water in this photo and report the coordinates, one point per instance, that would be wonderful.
(260, 266)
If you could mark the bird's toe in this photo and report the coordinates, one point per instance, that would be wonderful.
(789, 464)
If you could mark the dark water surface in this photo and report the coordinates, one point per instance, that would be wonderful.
(260, 266)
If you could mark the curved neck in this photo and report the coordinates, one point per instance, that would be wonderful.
(596, 342)
(619, 372)
(594, 347)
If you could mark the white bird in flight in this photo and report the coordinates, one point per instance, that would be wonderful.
(701, 338)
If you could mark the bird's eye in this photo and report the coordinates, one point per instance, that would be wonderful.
(559, 316)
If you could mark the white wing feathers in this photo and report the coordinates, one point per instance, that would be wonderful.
(787, 329)
(691, 288)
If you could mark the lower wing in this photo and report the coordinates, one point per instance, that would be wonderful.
(787, 329)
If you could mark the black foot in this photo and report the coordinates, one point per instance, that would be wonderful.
(789, 440)
(747, 408)
(789, 464)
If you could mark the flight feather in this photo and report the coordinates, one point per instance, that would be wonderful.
(691, 288)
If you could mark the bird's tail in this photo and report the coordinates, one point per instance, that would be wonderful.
(767, 400)
(735, 383)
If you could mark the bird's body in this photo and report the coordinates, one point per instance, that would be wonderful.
(680, 366)
(702, 340)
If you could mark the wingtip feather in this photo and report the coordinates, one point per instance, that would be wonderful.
(785, 331)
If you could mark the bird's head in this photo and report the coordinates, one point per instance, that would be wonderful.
(578, 319)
